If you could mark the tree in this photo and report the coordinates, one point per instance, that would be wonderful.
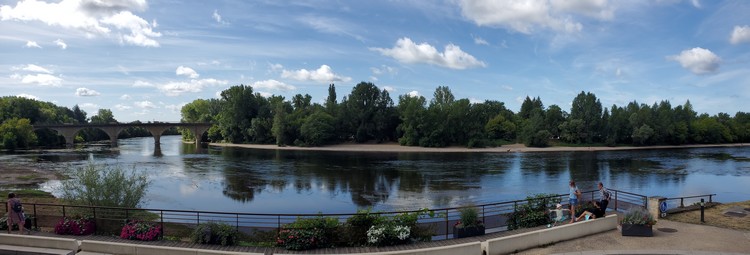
(79, 115)
(411, 111)
(587, 108)
(239, 107)
(318, 129)
(17, 133)
(104, 185)
(642, 135)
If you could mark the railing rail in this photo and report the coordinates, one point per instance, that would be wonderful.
(695, 198)
(494, 215)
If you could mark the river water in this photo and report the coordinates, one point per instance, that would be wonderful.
(270, 181)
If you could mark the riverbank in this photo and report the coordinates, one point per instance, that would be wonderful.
(394, 147)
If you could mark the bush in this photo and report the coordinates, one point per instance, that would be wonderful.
(469, 217)
(638, 216)
(532, 213)
(4, 223)
(78, 226)
(139, 230)
(399, 229)
(357, 226)
(215, 233)
(103, 185)
(309, 233)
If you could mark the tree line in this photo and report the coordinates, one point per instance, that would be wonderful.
(368, 114)
(19, 114)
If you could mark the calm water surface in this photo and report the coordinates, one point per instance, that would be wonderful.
(267, 181)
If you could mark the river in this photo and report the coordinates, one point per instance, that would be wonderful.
(271, 181)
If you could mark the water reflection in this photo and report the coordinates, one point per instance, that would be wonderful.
(271, 181)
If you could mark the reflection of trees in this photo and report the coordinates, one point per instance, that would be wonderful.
(241, 184)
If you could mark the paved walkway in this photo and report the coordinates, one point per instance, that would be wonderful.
(688, 239)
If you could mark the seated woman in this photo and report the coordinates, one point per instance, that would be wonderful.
(594, 213)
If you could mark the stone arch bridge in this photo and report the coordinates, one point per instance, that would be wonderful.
(69, 131)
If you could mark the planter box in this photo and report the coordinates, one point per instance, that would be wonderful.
(637, 230)
(468, 232)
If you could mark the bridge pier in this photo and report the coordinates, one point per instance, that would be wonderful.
(198, 131)
(156, 132)
(69, 133)
(112, 132)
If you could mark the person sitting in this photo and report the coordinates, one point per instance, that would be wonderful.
(559, 214)
(593, 213)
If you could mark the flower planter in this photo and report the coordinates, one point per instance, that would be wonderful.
(461, 232)
(637, 230)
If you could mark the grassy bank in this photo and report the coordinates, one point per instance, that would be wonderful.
(715, 217)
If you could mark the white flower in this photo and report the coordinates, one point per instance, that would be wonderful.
(374, 234)
(402, 232)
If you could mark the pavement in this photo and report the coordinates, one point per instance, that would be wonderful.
(670, 237)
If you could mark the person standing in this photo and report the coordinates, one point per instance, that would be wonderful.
(604, 197)
(573, 199)
(15, 214)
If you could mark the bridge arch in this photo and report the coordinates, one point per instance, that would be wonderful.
(69, 131)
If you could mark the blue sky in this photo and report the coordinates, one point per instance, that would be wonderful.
(145, 59)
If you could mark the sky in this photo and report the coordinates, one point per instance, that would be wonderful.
(145, 59)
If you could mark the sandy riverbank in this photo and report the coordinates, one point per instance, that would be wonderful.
(394, 147)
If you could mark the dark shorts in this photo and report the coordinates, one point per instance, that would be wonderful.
(573, 201)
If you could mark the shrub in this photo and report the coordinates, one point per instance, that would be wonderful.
(532, 213)
(103, 185)
(638, 216)
(399, 229)
(79, 226)
(309, 233)
(356, 227)
(469, 217)
(139, 230)
(215, 233)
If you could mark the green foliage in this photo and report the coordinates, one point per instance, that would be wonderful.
(355, 229)
(17, 134)
(469, 217)
(215, 233)
(638, 216)
(309, 233)
(532, 213)
(103, 185)
(318, 129)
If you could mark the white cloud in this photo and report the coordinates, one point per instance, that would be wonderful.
(33, 68)
(142, 84)
(40, 79)
(187, 71)
(92, 17)
(125, 97)
(61, 43)
(599, 9)
(479, 41)
(175, 107)
(32, 44)
(274, 67)
(740, 34)
(28, 96)
(698, 60)
(122, 107)
(413, 93)
(272, 84)
(696, 3)
(384, 69)
(84, 92)
(373, 78)
(475, 101)
(322, 74)
(177, 88)
(331, 26)
(527, 16)
(217, 17)
(506, 87)
(389, 89)
(144, 105)
(453, 57)
(264, 94)
(89, 106)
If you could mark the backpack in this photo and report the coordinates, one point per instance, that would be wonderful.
(607, 195)
(17, 207)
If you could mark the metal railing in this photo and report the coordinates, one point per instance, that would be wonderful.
(692, 200)
(495, 216)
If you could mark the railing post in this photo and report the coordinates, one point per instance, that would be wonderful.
(161, 221)
(682, 202)
(446, 224)
(710, 198)
(127, 214)
(35, 218)
(238, 222)
(94, 213)
(63, 207)
(484, 219)
(278, 226)
(592, 195)
(615, 200)
(199, 218)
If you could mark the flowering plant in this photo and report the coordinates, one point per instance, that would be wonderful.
(139, 230)
(388, 234)
(299, 239)
(79, 226)
(638, 216)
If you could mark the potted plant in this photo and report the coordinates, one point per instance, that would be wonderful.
(469, 224)
(637, 222)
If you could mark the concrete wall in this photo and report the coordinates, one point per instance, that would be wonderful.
(138, 249)
(510, 244)
(464, 248)
(39, 242)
